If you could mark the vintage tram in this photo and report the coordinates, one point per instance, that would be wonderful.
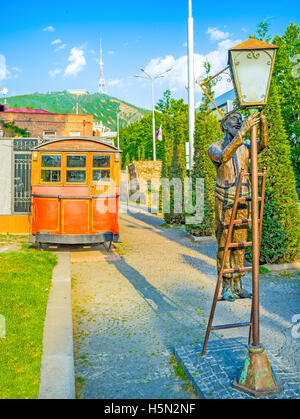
(75, 191)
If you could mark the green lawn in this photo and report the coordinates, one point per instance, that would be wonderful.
(25, 281)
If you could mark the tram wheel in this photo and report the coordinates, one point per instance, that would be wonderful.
(108, 248)
(43, 246)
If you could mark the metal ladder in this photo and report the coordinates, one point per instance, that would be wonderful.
(228, 246)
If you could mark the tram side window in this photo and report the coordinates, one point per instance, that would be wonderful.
(101, 168)
(77, 164)
(51, 168)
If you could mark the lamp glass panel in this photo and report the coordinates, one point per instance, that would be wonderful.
(253, 71)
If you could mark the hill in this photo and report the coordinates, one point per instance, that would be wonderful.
(104, 108)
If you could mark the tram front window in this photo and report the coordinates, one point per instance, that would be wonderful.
(100, 166)
(101, 175)
(76, 176)
(51, 176)
(76, 163)
(51, 160)
(51, 168)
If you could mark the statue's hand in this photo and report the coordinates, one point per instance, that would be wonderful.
(250, 122)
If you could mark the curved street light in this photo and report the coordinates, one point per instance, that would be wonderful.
(152, 79)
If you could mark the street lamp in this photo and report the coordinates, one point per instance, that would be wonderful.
(152, 80)
(251, 64)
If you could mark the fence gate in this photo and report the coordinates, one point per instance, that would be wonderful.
(22, 174)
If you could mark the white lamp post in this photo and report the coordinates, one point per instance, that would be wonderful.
(152, 79)
(191, 80)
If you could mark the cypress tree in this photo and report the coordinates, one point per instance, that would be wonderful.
(281, 225)
(207, 131)
(177, 170)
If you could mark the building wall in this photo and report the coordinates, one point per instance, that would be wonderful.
(6, 178)
(62, 124)
(145, 172)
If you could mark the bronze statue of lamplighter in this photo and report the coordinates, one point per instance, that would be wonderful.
(251, 65)
(231, 157)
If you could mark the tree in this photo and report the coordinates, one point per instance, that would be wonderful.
(176, 172)
(281, 225)
(262, 31)
(165, 106)
(287, 76)
(207, 131)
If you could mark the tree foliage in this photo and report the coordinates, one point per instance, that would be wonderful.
(281, 225)
(207, 131)
(287, 77)
(10, 129)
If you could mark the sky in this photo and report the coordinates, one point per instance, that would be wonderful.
(54, 46)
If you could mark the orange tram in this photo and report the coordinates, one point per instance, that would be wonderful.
(75, 192)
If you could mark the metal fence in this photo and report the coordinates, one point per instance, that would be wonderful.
(22, 174)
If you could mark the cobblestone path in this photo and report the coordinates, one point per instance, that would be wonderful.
(130, 313)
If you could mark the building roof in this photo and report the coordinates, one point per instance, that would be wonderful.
(223, 99)
(22, 110)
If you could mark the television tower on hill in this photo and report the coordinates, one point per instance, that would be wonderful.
(102, 83)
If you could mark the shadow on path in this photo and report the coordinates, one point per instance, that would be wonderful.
(156, 300)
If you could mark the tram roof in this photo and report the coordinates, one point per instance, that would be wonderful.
(74, 139)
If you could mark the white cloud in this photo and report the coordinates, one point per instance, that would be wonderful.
(48, 29)
(57, 41)
(177, 79)
(77, 62)
(216, 35)
(60, 47)
(111, 52)
(3, 68)
(54, 73)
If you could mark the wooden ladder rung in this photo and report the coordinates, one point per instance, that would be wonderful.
(241, 222)
(237, 270)
(231, 326)
(239, 245)
(249, 174)
(248, 199)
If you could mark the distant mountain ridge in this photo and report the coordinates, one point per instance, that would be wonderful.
(103, 107)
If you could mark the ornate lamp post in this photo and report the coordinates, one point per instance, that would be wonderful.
(251, 65)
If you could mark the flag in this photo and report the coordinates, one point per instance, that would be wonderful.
(159, 134)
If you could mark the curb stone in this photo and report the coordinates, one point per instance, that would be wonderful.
(57, 367)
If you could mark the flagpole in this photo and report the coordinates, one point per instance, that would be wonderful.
(191, 89)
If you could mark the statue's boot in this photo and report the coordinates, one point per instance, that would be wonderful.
(239, 290)
(227, 293)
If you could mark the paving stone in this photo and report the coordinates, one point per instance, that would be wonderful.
(131, 314)
(217, 377)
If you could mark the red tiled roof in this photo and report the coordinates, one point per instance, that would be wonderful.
(21, 110)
